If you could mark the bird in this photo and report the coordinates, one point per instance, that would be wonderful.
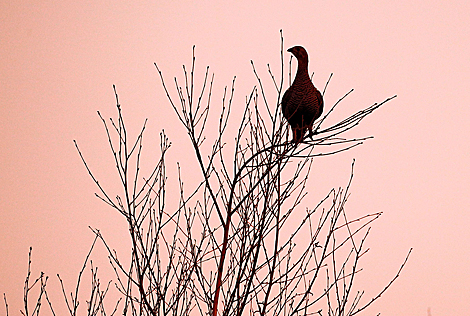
(302, 103)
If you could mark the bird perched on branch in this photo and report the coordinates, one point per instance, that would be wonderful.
(302, 103)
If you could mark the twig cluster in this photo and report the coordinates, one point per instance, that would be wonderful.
(232, 246)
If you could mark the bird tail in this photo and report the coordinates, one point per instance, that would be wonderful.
(298, 135)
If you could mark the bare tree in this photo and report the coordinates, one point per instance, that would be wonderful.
(230, 248)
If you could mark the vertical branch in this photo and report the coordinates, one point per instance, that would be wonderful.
(26, 284)
(6, 304)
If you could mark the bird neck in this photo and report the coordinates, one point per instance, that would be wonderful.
(302, 69)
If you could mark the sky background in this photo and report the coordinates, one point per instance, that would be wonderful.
(59, 60)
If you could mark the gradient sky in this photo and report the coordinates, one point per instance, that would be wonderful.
(59, 60)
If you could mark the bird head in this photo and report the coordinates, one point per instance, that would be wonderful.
(299, 52)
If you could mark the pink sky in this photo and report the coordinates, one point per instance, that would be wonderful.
(59, 60)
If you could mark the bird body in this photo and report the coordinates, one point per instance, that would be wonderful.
(302, 103)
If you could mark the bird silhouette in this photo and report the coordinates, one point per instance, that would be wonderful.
(302, 103)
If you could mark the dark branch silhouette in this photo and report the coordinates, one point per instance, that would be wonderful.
(232, 246)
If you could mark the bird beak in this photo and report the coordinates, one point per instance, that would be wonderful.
(290, 50)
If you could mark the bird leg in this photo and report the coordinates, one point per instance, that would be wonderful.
(310, 133)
